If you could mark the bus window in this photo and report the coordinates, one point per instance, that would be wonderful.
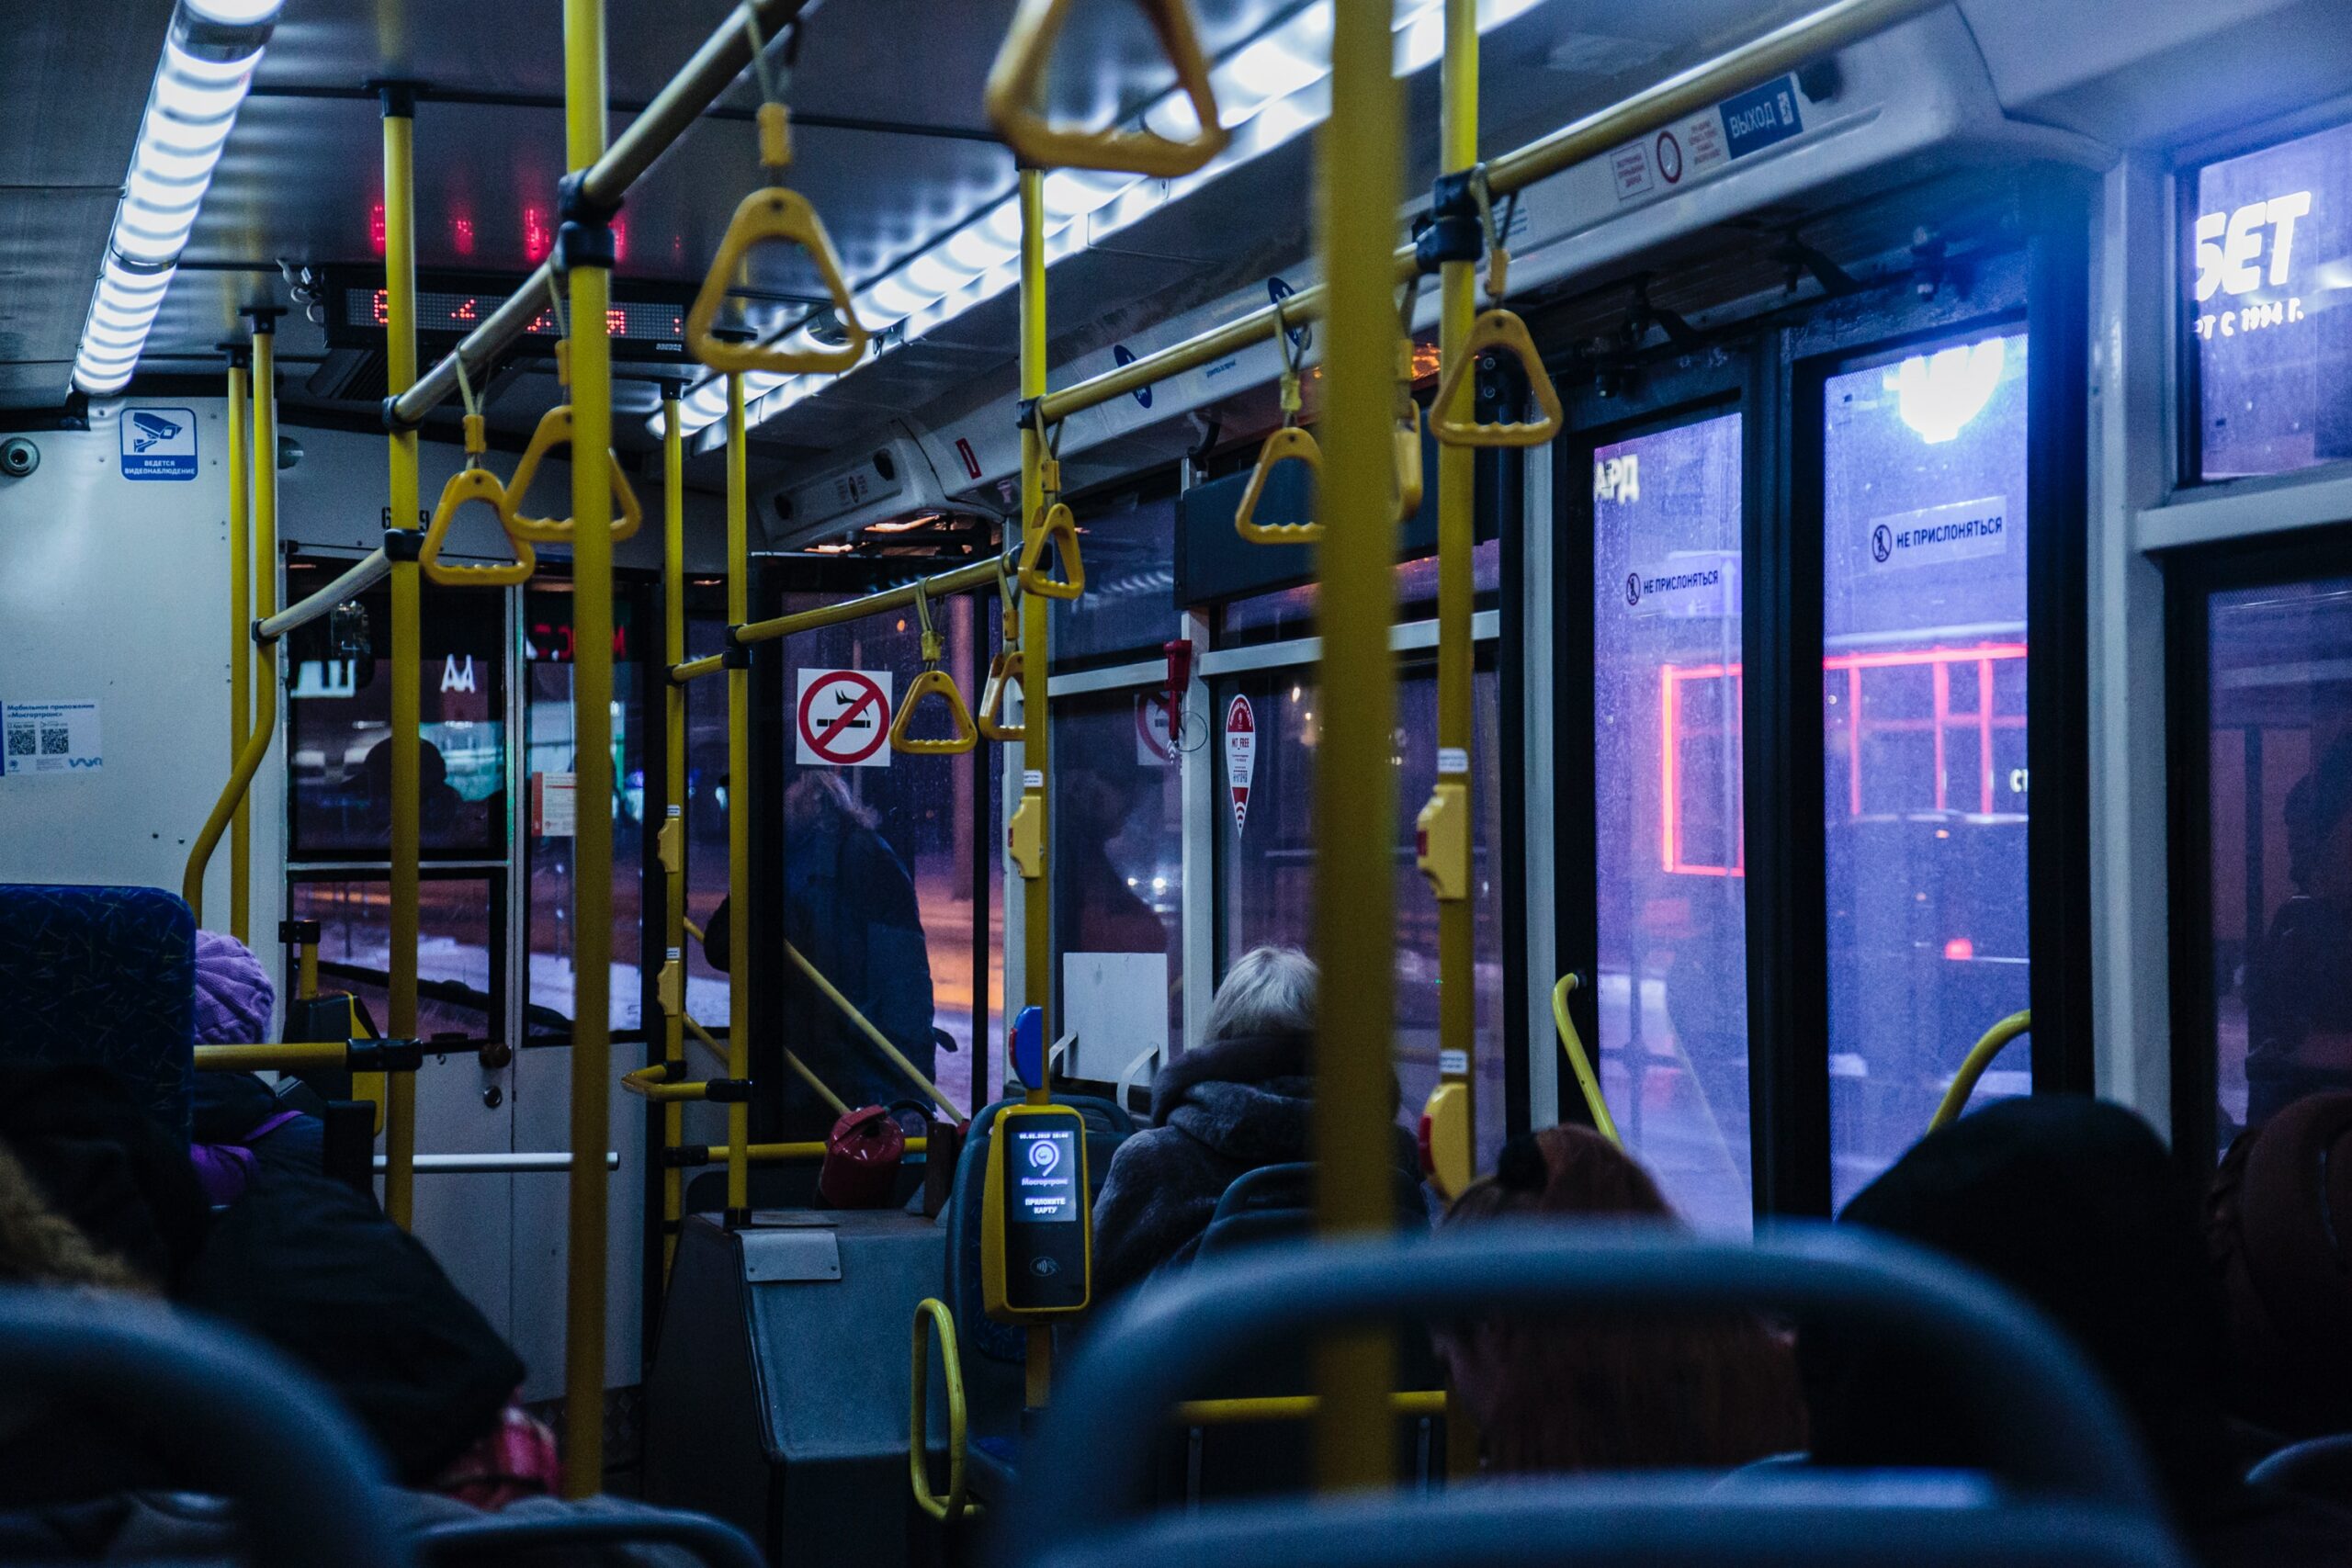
(2280, 718)
(1672, 882)
(1266, 856)
(2261, 237)
(338, 720)
(1924, 717)
(460, 950)
(550, 816)
(1118, 866)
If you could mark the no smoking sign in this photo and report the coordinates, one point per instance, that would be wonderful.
(843, 718)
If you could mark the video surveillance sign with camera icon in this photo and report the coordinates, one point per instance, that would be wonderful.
(158, 443)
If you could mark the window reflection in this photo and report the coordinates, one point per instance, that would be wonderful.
(878, 880)
(1266, 861)
(339, 727)
(1118, 877)
(1923, 715)
(553, 815)
(1671, 878)
(2280, 720)
(1129, 605)
(460, 933)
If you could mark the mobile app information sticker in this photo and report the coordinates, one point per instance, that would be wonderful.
(843, 718)
(158, 443)
(51, 737)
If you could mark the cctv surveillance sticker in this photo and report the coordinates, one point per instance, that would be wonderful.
(158, 443)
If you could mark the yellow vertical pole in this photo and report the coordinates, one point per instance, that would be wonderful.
(592, 698)
(739, 807)
(1355, 791)
(673, 831)
(263, 482)
(1457, 1014)
(401, 542)
(241, 645)
(305, 983)
(1036, 888)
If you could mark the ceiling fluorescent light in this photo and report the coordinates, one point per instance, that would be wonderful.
(208, 60)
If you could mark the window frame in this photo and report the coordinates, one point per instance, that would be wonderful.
(2191, 578)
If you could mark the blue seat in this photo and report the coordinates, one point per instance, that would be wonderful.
(103, 976)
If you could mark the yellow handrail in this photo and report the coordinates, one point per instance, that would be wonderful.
(672, 848)
(1292, 1407)
(1452, 418)
(240, 643)
(1057, 527)
(1979, 1056)
(275, 1057)
(934, 681)
(931, 1312)
(740, 766)
(1689, 91)
(881, 1042)
(587, 1188)
(768, 1154)
(1361, 174)
(801, 1068)
(774, 213)
(1573, 1044)
(1291, 443)
(1017, 81)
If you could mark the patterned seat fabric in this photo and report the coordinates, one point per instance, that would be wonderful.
(103, 976)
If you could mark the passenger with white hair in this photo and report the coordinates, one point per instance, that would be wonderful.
(1242, 1100)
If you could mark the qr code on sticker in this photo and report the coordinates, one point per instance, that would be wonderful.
(20, 739)
(56, 741)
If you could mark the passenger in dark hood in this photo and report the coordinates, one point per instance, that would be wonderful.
(1241, 1101)
(2078, 1208)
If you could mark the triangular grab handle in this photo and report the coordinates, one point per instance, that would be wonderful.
(1450, 414)
(554, 430)
(928, 683)
(1288, 445)
(469, 485)
(1004, 676)
(764, 217)
(1059, 529)
(1017, 83)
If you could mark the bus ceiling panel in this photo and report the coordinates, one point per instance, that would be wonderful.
(301, 180)
(48, 243)
(71, 93)
(2182, 69)
(471, 46)
(201, 311)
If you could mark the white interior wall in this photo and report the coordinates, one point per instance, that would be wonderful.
(116, 590)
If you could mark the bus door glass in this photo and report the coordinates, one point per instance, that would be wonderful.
(2279, 702)
(1923, 731)
(1670, 863)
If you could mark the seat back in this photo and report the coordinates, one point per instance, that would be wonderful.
(1276, 1202)
(2068, 1481)
(106, 977)
(229, 1418)
(2318, 1467)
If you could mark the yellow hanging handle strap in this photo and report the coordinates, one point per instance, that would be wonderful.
(1406, 424)
(1017, 83)
(1451, 413)
(932, 682)
(1055, 525)
(1005, 671)
(1288, 445)
(470, 483)
(1979, 1056)
(773, 214)
(555, 431)
(1572, 1043)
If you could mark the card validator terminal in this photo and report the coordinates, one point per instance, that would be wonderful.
(1036, 1234)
